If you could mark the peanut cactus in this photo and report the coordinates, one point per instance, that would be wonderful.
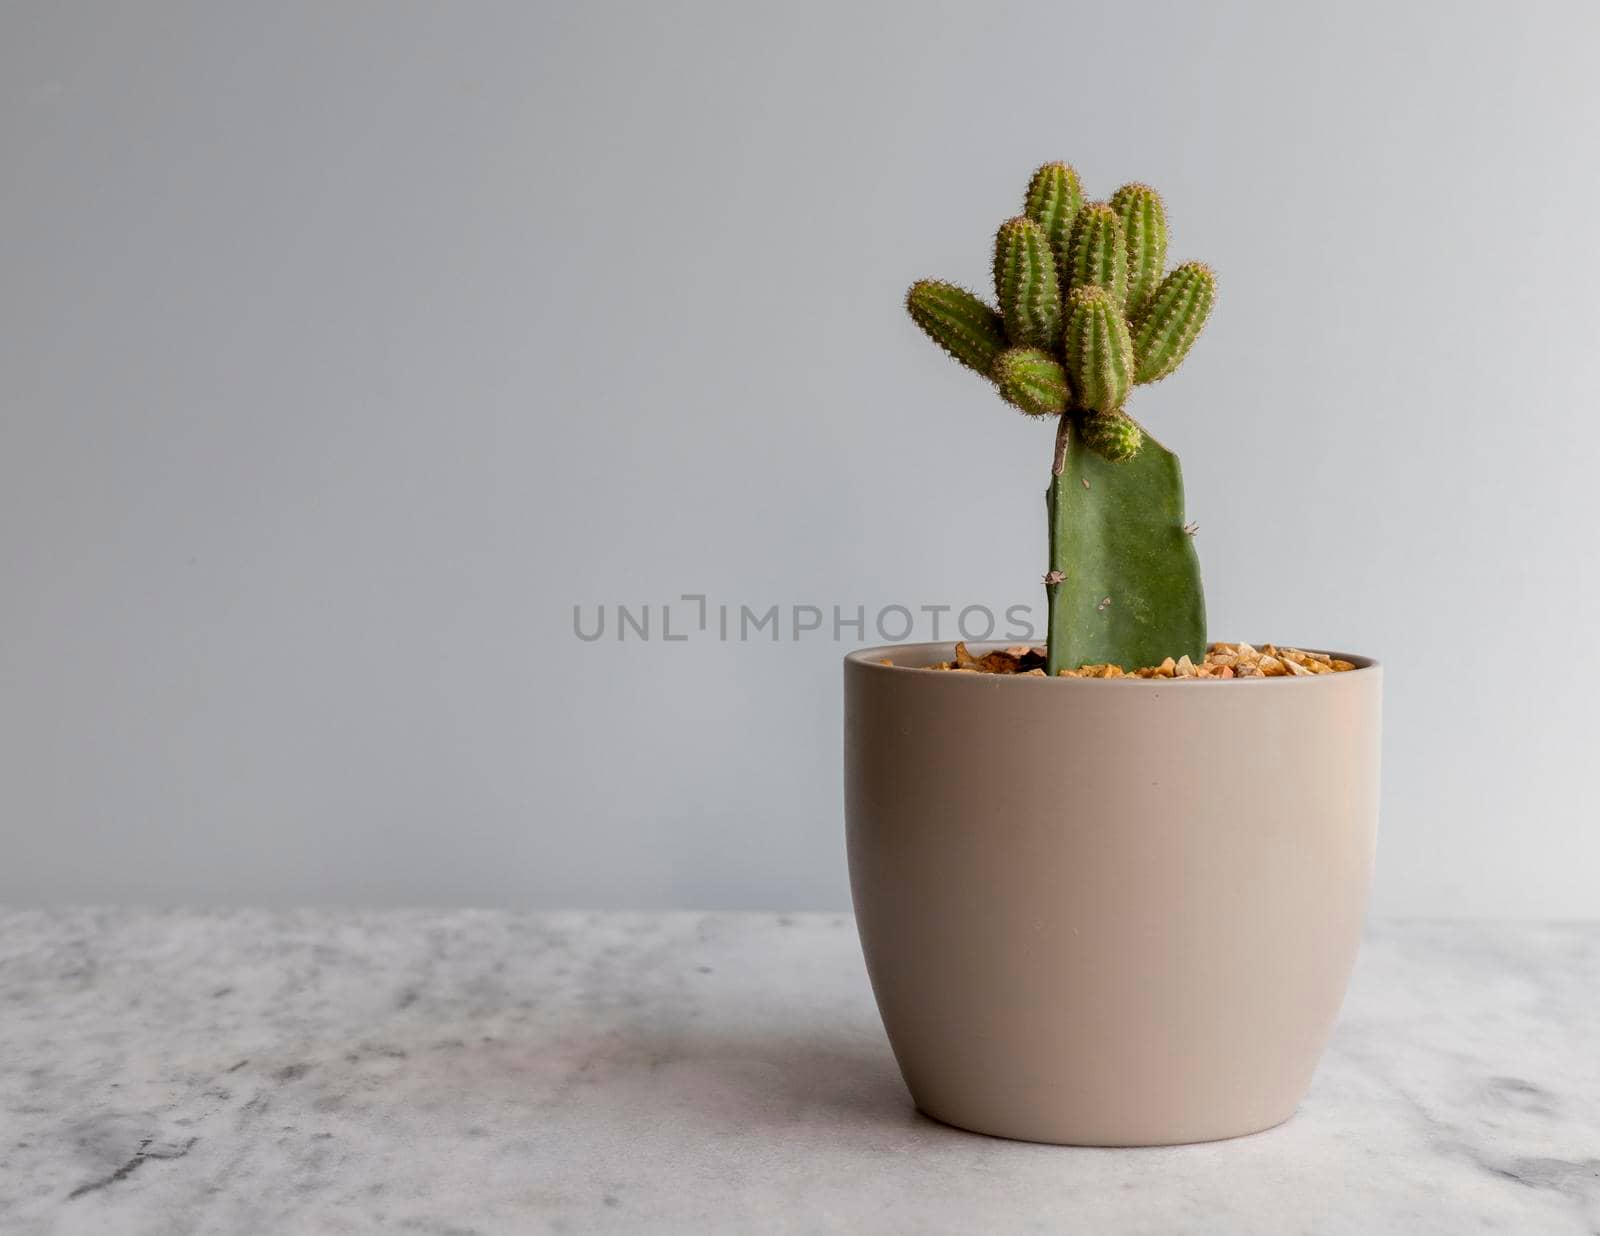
(1144, 226)
(1026, 284)
(1097, 253)
(1099, 350)
(1033, 380)
(959, 323)
(1112, 435)
(1173, 319)
(1085, 314)
(1054, 198)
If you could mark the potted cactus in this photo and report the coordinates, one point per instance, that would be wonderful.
(1109, 891)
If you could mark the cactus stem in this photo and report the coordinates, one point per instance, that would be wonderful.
(1053, 199)
(1099, 353)
(958, 322)
(1098, 253)
(1026, 283)
(1144, 226)
(1171, 319)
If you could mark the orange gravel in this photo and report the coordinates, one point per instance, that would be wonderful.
(1221, 661)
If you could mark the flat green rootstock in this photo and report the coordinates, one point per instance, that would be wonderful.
(1130, 590)
(1086, 312)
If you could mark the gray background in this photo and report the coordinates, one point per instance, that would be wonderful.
(344, 348)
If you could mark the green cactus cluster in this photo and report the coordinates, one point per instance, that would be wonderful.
(1079, 283)
(1085, 310)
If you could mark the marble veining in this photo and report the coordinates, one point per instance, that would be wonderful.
(477, 1072)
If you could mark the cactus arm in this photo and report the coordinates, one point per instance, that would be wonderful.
(1054, 195)
(1124, 581)
(958, 322)
(1144, 226)
(1112, 436)
(1026, 283)
(1033, 380)
(1098, 351)
(1164, 332)
(1097, 254)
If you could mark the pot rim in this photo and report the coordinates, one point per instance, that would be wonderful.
(871, 659)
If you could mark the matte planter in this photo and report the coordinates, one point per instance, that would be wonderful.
(1104, 912)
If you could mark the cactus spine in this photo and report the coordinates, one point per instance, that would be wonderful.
(1085, 314)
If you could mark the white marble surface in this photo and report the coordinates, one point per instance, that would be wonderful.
(495, 1073)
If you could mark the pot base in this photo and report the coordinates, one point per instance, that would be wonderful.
(1088, 1139)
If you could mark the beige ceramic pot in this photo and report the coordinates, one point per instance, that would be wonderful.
(1102, 912)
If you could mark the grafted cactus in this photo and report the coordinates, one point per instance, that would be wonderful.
(1086, 313)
